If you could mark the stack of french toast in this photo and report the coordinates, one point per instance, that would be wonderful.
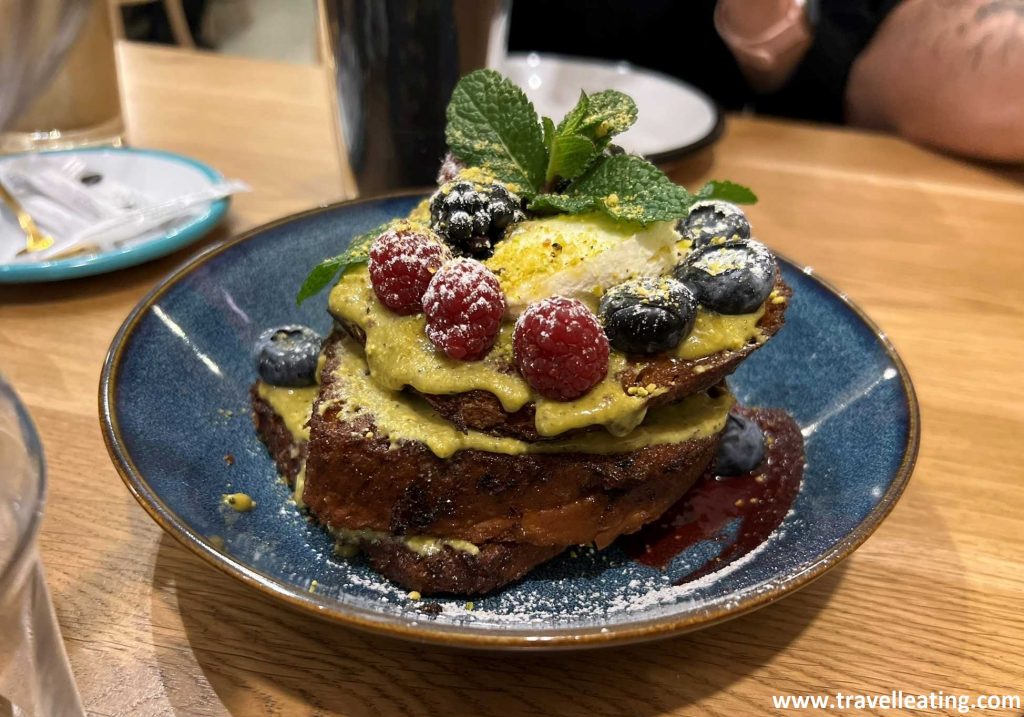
(503, 384)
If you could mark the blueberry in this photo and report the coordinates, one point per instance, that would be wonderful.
(741, 449)
(734, 277)
(714, 219)
(287, 355)
(647, 316)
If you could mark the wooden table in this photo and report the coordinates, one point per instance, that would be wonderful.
(929, 246)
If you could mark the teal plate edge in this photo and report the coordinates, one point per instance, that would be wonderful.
(76, 267)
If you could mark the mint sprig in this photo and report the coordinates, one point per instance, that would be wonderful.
(585, 131)
(625, 187)
(323, 274)
(492, 124)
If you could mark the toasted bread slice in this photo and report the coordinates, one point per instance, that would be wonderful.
(360, 476)
(288, 451)
(446, 571)
(517, 509)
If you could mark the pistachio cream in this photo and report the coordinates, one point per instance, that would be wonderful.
(293, 405)
(401, 417)
(399, 354)
(424, 545)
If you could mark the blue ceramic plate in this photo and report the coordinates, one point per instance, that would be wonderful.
(160, 175)
(174, 403)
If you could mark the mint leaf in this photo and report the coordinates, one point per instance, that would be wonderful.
(608, 113)
(561, 203)
(600, 115)
(585, 131)
(726, 191)
(630, 188)
(570, 155)
(572, 122)
(323, 274)
(548, 125)
(491, 124)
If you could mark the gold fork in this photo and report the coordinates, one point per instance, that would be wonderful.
(35, 239)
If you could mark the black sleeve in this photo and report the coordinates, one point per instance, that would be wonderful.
(678, 37)
(816, 89)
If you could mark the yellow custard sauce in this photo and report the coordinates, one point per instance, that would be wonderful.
(720, 331)
(579, 256)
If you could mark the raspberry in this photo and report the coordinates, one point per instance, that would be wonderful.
(402, 263)
(560, 348)
(464, 306)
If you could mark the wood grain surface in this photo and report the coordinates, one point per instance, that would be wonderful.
(930, 246)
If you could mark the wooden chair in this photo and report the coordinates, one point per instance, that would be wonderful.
(175, 16)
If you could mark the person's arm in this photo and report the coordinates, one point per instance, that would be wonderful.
(946, 73)
(796, 54)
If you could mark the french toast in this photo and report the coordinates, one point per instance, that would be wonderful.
(516, 508)
(446, 570)
(533, 359)
(587, 489)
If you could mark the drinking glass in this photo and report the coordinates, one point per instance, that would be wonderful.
(63, 85)
(393, 65)
(35, 678)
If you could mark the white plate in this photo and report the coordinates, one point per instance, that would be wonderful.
(159, 175)
(674, 117)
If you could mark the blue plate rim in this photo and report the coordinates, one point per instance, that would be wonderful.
(529, 639)
(75, 267)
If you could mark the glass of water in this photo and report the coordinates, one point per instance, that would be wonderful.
(58, 76)
(35, 678)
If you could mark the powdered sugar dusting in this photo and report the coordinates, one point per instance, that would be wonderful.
(464, 306)
(560, 348)
(401, 264)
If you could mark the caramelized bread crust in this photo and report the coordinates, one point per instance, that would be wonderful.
(453, 571)
(288, 453)
(447, 571)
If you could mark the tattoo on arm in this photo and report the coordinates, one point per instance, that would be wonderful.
(994, 29)
(1004, 39)
(996, 7)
